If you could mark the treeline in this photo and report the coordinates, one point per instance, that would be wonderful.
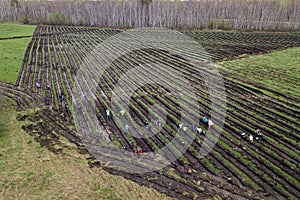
(200, 14)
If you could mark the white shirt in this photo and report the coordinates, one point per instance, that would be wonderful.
(199, 130)
(210, 122)
(251, 138)
(107, 112)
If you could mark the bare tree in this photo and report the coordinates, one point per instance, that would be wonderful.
(200, 14)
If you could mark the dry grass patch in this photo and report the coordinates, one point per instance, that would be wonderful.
(28, 171)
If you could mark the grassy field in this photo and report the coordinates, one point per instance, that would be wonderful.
(278, 71)
(28, 171)
(12, 50)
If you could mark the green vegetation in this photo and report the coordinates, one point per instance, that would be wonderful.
(255, 87)
(12, 50)
(29, 171)
(271, 71)
(15, 29)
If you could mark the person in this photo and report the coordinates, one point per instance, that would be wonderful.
(210, 123)
(244, 135)
(30, 70)
(251, 138)
(206, 84)
(79, 109)
(107, 114)
(205, 120)
(184, 129)
(157, 121)
(261, 137)
(61, 98)
(199, 130)
(146, 124)
(179, 126)
(139, 152)
(119, 110)
(258, 135)
(150, 128)
(84, 97)
(38, 84)
(122, 112)
(193, 127)
(126, 128)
